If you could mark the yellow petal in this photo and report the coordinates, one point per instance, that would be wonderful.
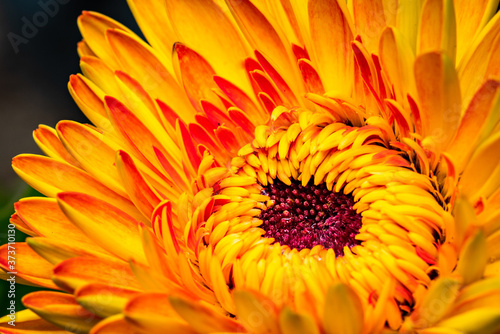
(20, 260)
(217, 41)
(296, 323)
(112, 325)
(471, 17)
(251, 306)
(262, 35)
(94, 155)
(370, 20)
(480, 168)
(44, 216)
(46, 138)
(203, 318)
(61, 309)
(51, 177)
(473, 68)
(472, 259)
(90, 99)
(94, 216)
(152, 313)
(93, 27)
(331, 31)
(442, 292)
(397, 58)
(439, 97)
(57, 250)
(152, 18)
(140, 191)
(28, 322)
(140, 61)
(79, 271)
(476, 123)
(104, 300)
(483, 320)
(437, 31)
(343, 310)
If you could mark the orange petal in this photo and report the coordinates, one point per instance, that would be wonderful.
(197, 76)
(138, 189)
(93, 27)
(104, 300)
(93, 216)
(28, 322)
(370, 20)
(311, 77)
(19, 259)
(152, 312)
(158, 257)
(439, 96)
(112, 325)
(215, 115)
(278, 79)
(191, 157)
(331, 33)
(252, 305)
(57, 250)
(267, 86)
(217, 41)
(96, 70)
(228, 139)
(481, 168)
(137, 134)
(143, 106)
(90, 99)
(21, 225)
(477, 120)
(397, 59)
(438, 28)
(154, 23)
(79, 271)
(139, 61)
(95, 156)
(44, 216)
(46, 138)
(61, 309)
(471, 17)
(263, 37)
(84, 50)
(343, 311)
(473, 68)
(179, 179)
(51, 177)
(203, 318)
(239, 98)
(240, 118)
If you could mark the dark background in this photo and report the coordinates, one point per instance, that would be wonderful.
(33, 86)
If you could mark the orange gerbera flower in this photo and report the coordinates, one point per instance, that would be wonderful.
(285, 166)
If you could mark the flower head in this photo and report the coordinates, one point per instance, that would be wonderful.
(272, 167)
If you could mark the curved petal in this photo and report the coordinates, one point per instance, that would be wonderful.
(79, 271)
(20, 260)
(152, 313)
(62, 310)
(51, 177)
(105, 224)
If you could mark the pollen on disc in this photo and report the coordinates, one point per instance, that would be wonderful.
(303, 217)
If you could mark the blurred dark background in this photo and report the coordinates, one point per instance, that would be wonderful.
(34, 70)
(35, 65)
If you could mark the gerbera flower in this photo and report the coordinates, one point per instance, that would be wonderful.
(271, 167)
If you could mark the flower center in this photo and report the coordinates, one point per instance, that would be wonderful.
(303, 217)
